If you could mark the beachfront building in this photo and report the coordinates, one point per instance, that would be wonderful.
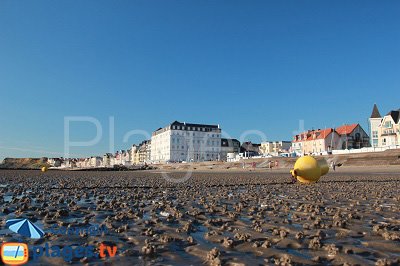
(69, 163)
(134, 151)
(55, 162)
(108, 160)
(249, 149)
(83, 163)
(275, 147)
(118, 157)
(229, 146)
(385, 130)
(323, 141)
(315, 141)
(179, 142)
(96, 161)
(352, 136)
(389, 130)
(144, 152)
(374, 122)
(122, 157)
(297, 146)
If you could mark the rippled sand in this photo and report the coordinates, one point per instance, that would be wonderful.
(350, 217)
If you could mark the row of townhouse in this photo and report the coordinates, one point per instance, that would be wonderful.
(136, 155)
(385, 130)
(94, 161)
(322, 141)
(269, 148)
(275, 148)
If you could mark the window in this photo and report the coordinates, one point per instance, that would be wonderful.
(388, 124)
(358, 136)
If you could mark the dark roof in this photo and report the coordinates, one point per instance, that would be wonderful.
(234, 140)
(249, 143)
(177, 123)
(375, 112)
(227, 142)
(395, 114)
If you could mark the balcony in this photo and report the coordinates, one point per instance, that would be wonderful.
(389, 134)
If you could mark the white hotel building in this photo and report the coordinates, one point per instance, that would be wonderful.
(179, 142)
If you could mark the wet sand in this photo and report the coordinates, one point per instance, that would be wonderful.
(350, 217)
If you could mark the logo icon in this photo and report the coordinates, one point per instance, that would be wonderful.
(14, 253)
(24, 227)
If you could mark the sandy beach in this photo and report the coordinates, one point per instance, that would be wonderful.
(231, 217)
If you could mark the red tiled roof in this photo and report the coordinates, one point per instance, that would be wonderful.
(346, 129)
(320, 134)
(324, 133)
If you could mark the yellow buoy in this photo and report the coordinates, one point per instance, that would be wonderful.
(44, 169)
(308, 170)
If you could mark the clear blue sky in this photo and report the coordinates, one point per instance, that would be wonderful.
(246, 65)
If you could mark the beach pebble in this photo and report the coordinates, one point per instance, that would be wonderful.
(315, 243)
(148, 249)
(266, 244)
(285, 260)
(213, 257)
(228, 242)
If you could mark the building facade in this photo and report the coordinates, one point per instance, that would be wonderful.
(55, 162)
(69, 163)
(385, 130)
(189, 142)
(374, 122)
(352, 137)
(250, 149)
(389, 130)
(108, 160)
(229, 146)
(144, 152)
(134, 151)
(322, 141)
(96, 161)
(315, 141)
(275, 147)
